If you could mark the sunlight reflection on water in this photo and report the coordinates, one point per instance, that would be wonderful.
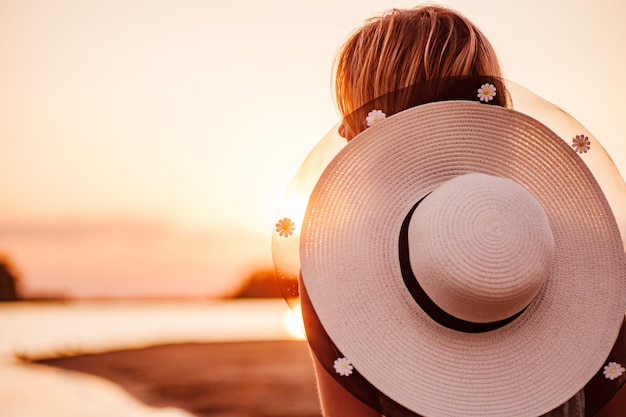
(41, 329)
(44, 329)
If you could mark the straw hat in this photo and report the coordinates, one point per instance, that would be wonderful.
(465, 261)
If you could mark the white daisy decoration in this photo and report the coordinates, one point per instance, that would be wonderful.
(613, 370)
(581, 143)
(343, 366)
(285, 227)
(374, 117)
(486, 92)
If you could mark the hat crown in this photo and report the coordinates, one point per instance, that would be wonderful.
(480, 247)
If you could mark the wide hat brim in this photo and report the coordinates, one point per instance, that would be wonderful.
(351, 271)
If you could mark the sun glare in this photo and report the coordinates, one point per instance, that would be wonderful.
(294, 207)
(292, 320)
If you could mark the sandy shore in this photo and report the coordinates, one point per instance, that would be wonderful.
(239, 379)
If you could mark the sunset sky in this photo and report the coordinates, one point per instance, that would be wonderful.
(145, 145)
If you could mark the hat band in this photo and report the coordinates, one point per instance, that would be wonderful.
(425, 302)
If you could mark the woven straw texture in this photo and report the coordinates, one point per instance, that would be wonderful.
(470, 242)
(350, 267)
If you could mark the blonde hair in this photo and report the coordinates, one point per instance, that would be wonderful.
(405, 48)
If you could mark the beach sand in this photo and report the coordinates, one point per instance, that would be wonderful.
(238, 379)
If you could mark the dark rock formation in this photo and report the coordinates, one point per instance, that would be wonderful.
(8, 282)
(259, 284)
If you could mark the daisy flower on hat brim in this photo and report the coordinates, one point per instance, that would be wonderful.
(343, 366)
(285, 227)
(374, 117)
(486, 92)
(581, 143)
(613, 370)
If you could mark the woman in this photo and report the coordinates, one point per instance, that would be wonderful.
(399, 50)
(395, 62)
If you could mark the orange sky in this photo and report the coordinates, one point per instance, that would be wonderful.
(144, 146)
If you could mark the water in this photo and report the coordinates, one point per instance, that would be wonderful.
(38, 330)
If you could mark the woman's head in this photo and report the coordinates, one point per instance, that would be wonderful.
(404, 48)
